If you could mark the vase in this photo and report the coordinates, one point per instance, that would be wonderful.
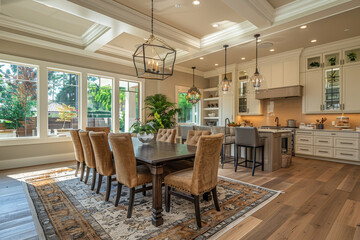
(145, 138)
(320, 126)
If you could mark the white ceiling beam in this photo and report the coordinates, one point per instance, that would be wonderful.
(258, 12)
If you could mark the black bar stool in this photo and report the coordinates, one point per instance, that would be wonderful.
(248, 137)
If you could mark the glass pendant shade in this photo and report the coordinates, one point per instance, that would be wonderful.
(256, 81)
(225, 83)
(194, 95)
(154, 59)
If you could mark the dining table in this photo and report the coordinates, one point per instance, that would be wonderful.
(156, 155)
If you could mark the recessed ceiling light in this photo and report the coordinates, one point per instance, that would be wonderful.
(314, 41)
(346, 29)
(272, 50)
(201, 58)
(303, 27)
(216, 64)
(242, 58)
(259, 40)
(215, 25)
(196, 2)
(177, 5)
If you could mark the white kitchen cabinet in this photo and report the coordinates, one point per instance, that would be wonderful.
(313, 91)
(351, 88)
(247, 104)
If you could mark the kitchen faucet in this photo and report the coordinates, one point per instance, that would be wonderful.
(277, 121)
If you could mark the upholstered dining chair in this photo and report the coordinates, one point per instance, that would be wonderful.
(79, 154)
(89, 157)
(127, 173)
(98, 129)
(166, 135)
(201, 179)
(194, 136)
(103, 159)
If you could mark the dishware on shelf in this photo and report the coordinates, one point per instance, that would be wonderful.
(211, 114)
(342, 122)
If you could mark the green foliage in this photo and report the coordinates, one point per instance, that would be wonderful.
(164, 110)
(186, 108)
(147, 128)
(66, 113)
(352, 56)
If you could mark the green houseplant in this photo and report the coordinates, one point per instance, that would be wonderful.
(145, 132)
(352, 56)
(332, 61)
(314, 64)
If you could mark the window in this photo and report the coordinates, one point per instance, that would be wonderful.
(18, 100)
(99, 101)
(189, 113)
(63, 102)
(128, 104)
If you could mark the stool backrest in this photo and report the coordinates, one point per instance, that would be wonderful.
(247, 136)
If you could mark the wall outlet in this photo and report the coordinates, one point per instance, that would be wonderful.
(333, 123)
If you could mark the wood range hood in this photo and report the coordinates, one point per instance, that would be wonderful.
(282, 92)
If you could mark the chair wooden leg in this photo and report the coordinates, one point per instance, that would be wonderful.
(246, 161)
(197, 210)
(254, 162)
(236, 157)
(262, 158)
(144, 192)
(167, 198)
(99, 183)
(87, 174)
(108, 188)
(93, 179)
(131, 202)
(222, 156)
(118, 194)
(216, 202)
(82, 171)
(77, 168)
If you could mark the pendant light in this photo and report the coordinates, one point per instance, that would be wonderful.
(194, 95)
(154, 59)
(225, 83)
(256, 80)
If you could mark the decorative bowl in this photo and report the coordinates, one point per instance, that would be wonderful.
(211, 114)
(145, 138)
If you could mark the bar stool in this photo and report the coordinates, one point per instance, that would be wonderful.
(248, 137)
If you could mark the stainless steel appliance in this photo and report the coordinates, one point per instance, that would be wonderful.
(291, 123)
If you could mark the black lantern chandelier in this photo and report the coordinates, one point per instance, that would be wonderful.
(154, 59)
(225, 83)
(257, 79)
(193, 96)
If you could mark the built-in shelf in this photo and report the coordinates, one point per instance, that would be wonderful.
(211, 118)
(214, 89)
(211, 99)
(209, 109)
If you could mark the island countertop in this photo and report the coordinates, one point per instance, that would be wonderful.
(273, 131)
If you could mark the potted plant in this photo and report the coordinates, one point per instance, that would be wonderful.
(332, 61)
(352, 56)
(314, 64)
(321, 122)
(145, 132)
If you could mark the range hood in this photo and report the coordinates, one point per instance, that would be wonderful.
(282, 92)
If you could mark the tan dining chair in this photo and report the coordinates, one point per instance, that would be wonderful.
(79, 154)
(194, 136)
(103, 159)
(199, 180)
(127, 173)
(166, 135)
(89, 157)
(98, 129)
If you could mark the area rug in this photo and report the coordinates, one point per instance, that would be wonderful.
(66, 208)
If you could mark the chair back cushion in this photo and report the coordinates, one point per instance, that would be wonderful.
(124, 158)
(102, 153)
(98, 129)
(166, 135)
(247, 136)
(194, 136)
(87, 149)
(79, 154)
(184, 130)
(206, 163)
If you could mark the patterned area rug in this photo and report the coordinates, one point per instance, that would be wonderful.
(67, 209)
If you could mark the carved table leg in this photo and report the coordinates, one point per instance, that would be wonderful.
(157, 172)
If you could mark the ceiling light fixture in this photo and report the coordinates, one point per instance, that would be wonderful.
(346, 29)
(202, 58)
(272, 50)
(314, 41)
(216, 64)
(193, 96)
(259, 40)
(303, 27)
(225, 83)
(196, 2)
(242, 58)
(154, 59)
(256, 80)
(215, 25)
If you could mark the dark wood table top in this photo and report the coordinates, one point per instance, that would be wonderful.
(159, 152)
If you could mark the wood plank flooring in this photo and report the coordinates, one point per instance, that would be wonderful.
(321, 200)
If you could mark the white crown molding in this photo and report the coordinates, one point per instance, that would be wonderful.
(121, 52)
(188, 70)
(20, 25)
(93, 33)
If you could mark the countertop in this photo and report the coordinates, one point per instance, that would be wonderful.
(329, 130)
(273, 131)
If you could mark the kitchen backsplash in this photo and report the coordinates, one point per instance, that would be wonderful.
(291, 108)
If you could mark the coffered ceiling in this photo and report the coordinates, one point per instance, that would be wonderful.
(111, 29)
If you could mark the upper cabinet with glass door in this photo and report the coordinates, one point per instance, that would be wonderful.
(351, 56)
(332, 89)
(243, 78)
(332, 59)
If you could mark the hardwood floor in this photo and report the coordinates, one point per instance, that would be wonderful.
(321, 200)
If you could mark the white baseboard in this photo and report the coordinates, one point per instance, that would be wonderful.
(32, 161)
